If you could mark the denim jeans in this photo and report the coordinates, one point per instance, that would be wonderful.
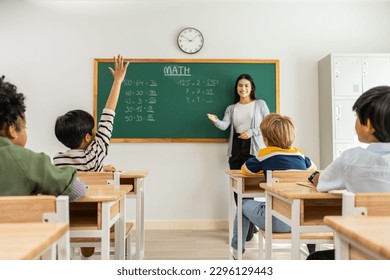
(254, 211)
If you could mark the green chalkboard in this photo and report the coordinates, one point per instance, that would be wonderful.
(164, 100)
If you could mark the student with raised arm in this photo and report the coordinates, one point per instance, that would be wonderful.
(87, 147)
(22, 171)
(361, 170)
(244, 118)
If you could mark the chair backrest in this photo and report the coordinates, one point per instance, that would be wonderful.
(34, 208)
(363, 204)
(99, 178)
(288, 176)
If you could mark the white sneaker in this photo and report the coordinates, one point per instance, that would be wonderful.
(132, 250)
(234, 253)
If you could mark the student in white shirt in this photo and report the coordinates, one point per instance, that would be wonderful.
(362, 170)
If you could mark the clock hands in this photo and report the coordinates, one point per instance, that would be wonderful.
(186, 38)
(194, 37)
(189, 40)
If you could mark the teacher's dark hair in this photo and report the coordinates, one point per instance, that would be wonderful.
(374, 105)
(12, 105)
(253, 92)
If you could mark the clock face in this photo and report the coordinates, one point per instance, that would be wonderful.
(190, 40)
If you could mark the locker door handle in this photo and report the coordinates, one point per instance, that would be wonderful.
(338, 112)
(365, 69)
(337, 69)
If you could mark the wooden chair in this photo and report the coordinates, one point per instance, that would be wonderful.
(364, 204)
(38, 208)
(288, 176)
(102, 178)
(361, 204)
(292, 176)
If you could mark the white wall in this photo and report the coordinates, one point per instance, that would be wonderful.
(47, 48)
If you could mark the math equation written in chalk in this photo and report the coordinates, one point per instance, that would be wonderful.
(142, 96)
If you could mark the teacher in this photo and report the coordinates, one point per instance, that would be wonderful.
(244, 118)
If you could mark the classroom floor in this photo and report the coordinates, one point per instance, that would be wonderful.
(197, 245)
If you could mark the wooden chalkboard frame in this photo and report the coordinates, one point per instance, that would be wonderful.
(181, 140)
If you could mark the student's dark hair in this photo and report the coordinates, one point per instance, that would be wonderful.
(249, 78)
(11, 104)
(71, 128)
(374, 105)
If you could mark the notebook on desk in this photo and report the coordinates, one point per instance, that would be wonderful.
(307, 184)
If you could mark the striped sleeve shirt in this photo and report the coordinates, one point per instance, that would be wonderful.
(274, 158)
(92, 158)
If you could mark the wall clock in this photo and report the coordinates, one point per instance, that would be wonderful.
(190, 40)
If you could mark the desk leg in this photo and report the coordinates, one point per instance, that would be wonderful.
(105, 239)
(295, 229)
(140, 225)
(341, 248)
(64, 247)
(120, 227)
(50, 253)
(268, 226)
(239, 220)
(231, 211)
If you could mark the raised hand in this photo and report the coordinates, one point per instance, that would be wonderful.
(120, 68)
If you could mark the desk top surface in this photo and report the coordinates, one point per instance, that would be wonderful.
(239, 174)
(370, 231)
(103, 193)
(25, 241)
(134, 174)
(296, 191)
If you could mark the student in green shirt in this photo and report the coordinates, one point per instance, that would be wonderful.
(22, 171)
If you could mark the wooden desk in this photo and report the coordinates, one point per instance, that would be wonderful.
(303, 208)
(137, 178)
(361, 238)
(94, 214)
(245, 186)
(27, 241)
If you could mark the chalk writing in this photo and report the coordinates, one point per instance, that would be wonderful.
(198, 90)
(141, 96)
(141, 100)
(175, 70)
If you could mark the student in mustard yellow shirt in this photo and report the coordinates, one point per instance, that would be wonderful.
(278, 133)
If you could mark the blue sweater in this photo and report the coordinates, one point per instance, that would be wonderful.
(274, 158)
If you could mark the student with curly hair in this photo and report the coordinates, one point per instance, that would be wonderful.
(22, 171)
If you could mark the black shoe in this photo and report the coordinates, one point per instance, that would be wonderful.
(251, 232)
(322, 255)
(249, 237)
(311, 248)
